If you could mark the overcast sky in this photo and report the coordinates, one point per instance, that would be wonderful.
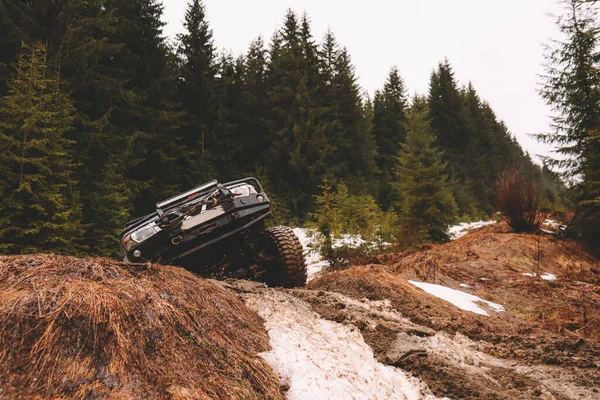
(497, 45)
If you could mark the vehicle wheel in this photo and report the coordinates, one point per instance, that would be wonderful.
(285, 258)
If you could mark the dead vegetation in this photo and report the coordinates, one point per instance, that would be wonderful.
(94, 328)
(520, 200)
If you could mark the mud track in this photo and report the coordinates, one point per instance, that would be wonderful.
(545, 346)
(451, 365)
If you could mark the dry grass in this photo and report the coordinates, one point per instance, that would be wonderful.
(94, 328)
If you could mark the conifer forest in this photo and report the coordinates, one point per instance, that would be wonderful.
(101, 117)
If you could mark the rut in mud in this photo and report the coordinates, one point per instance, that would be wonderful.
(317, 338)
(535, 338)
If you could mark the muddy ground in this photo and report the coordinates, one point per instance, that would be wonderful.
(545, 346)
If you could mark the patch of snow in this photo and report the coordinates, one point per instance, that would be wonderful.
(319, 359)
(315, 262)
(464, 285)
(553, 224)
(460, 299)
(548, 277)
(484, 279)
(460, 230)
(545, 276)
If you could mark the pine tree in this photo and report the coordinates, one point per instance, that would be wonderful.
(230, 154)
(299, 145)
(363, 150)
(39, 211)
(572, 89)
(197, 91)
(253, 130)
(352, 155)
(454, 130)
(389, 116)
(123, 79)
(427, 206)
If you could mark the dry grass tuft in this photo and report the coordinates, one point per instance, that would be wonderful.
(95, 328)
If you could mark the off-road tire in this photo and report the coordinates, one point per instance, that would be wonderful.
(287, 267)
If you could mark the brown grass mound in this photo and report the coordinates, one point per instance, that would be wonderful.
(95, 328)
(492, 261)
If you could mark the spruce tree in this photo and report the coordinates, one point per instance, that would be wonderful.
(39, 211)
(572, 89)
(454, 130)
(447, 113)
(299, 147)
(156, 113)
(389, 116)
(352, 155)
(197, 91)
(229, 154)
(123, 79)
(363, 150)
(253, 130)
(428, 206)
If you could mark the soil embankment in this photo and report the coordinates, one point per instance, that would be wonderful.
(545, 344)
(95, 328)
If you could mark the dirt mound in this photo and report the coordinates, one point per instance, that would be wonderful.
(545, 345)
(495, 252)
(94, 328)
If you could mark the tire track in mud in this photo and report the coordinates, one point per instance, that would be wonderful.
(451, 365)
(322, 359)
(319, 334)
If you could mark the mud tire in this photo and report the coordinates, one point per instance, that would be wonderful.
(286, 267)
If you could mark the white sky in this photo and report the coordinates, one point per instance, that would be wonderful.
(497, 45)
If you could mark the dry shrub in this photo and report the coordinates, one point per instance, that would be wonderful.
(520, 200)
(95, 328)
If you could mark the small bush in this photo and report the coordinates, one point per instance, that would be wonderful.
(340, 212)
(520, 200)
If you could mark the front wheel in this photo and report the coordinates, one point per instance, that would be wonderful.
(285, 266)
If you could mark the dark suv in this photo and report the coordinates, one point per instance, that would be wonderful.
(218, 230)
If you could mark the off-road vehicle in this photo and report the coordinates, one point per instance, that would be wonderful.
(218, 230)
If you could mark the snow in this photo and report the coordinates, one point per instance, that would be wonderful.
(464, 285)
(315, 262)
(460, 230)
(553, 224)
(547, 276)
(319, 359)
(460, 299)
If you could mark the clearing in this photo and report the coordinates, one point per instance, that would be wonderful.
(490, 315)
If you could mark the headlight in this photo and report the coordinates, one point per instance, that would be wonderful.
(243, 190)
(142, 234)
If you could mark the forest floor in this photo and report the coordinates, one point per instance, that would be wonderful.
(491, 315)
